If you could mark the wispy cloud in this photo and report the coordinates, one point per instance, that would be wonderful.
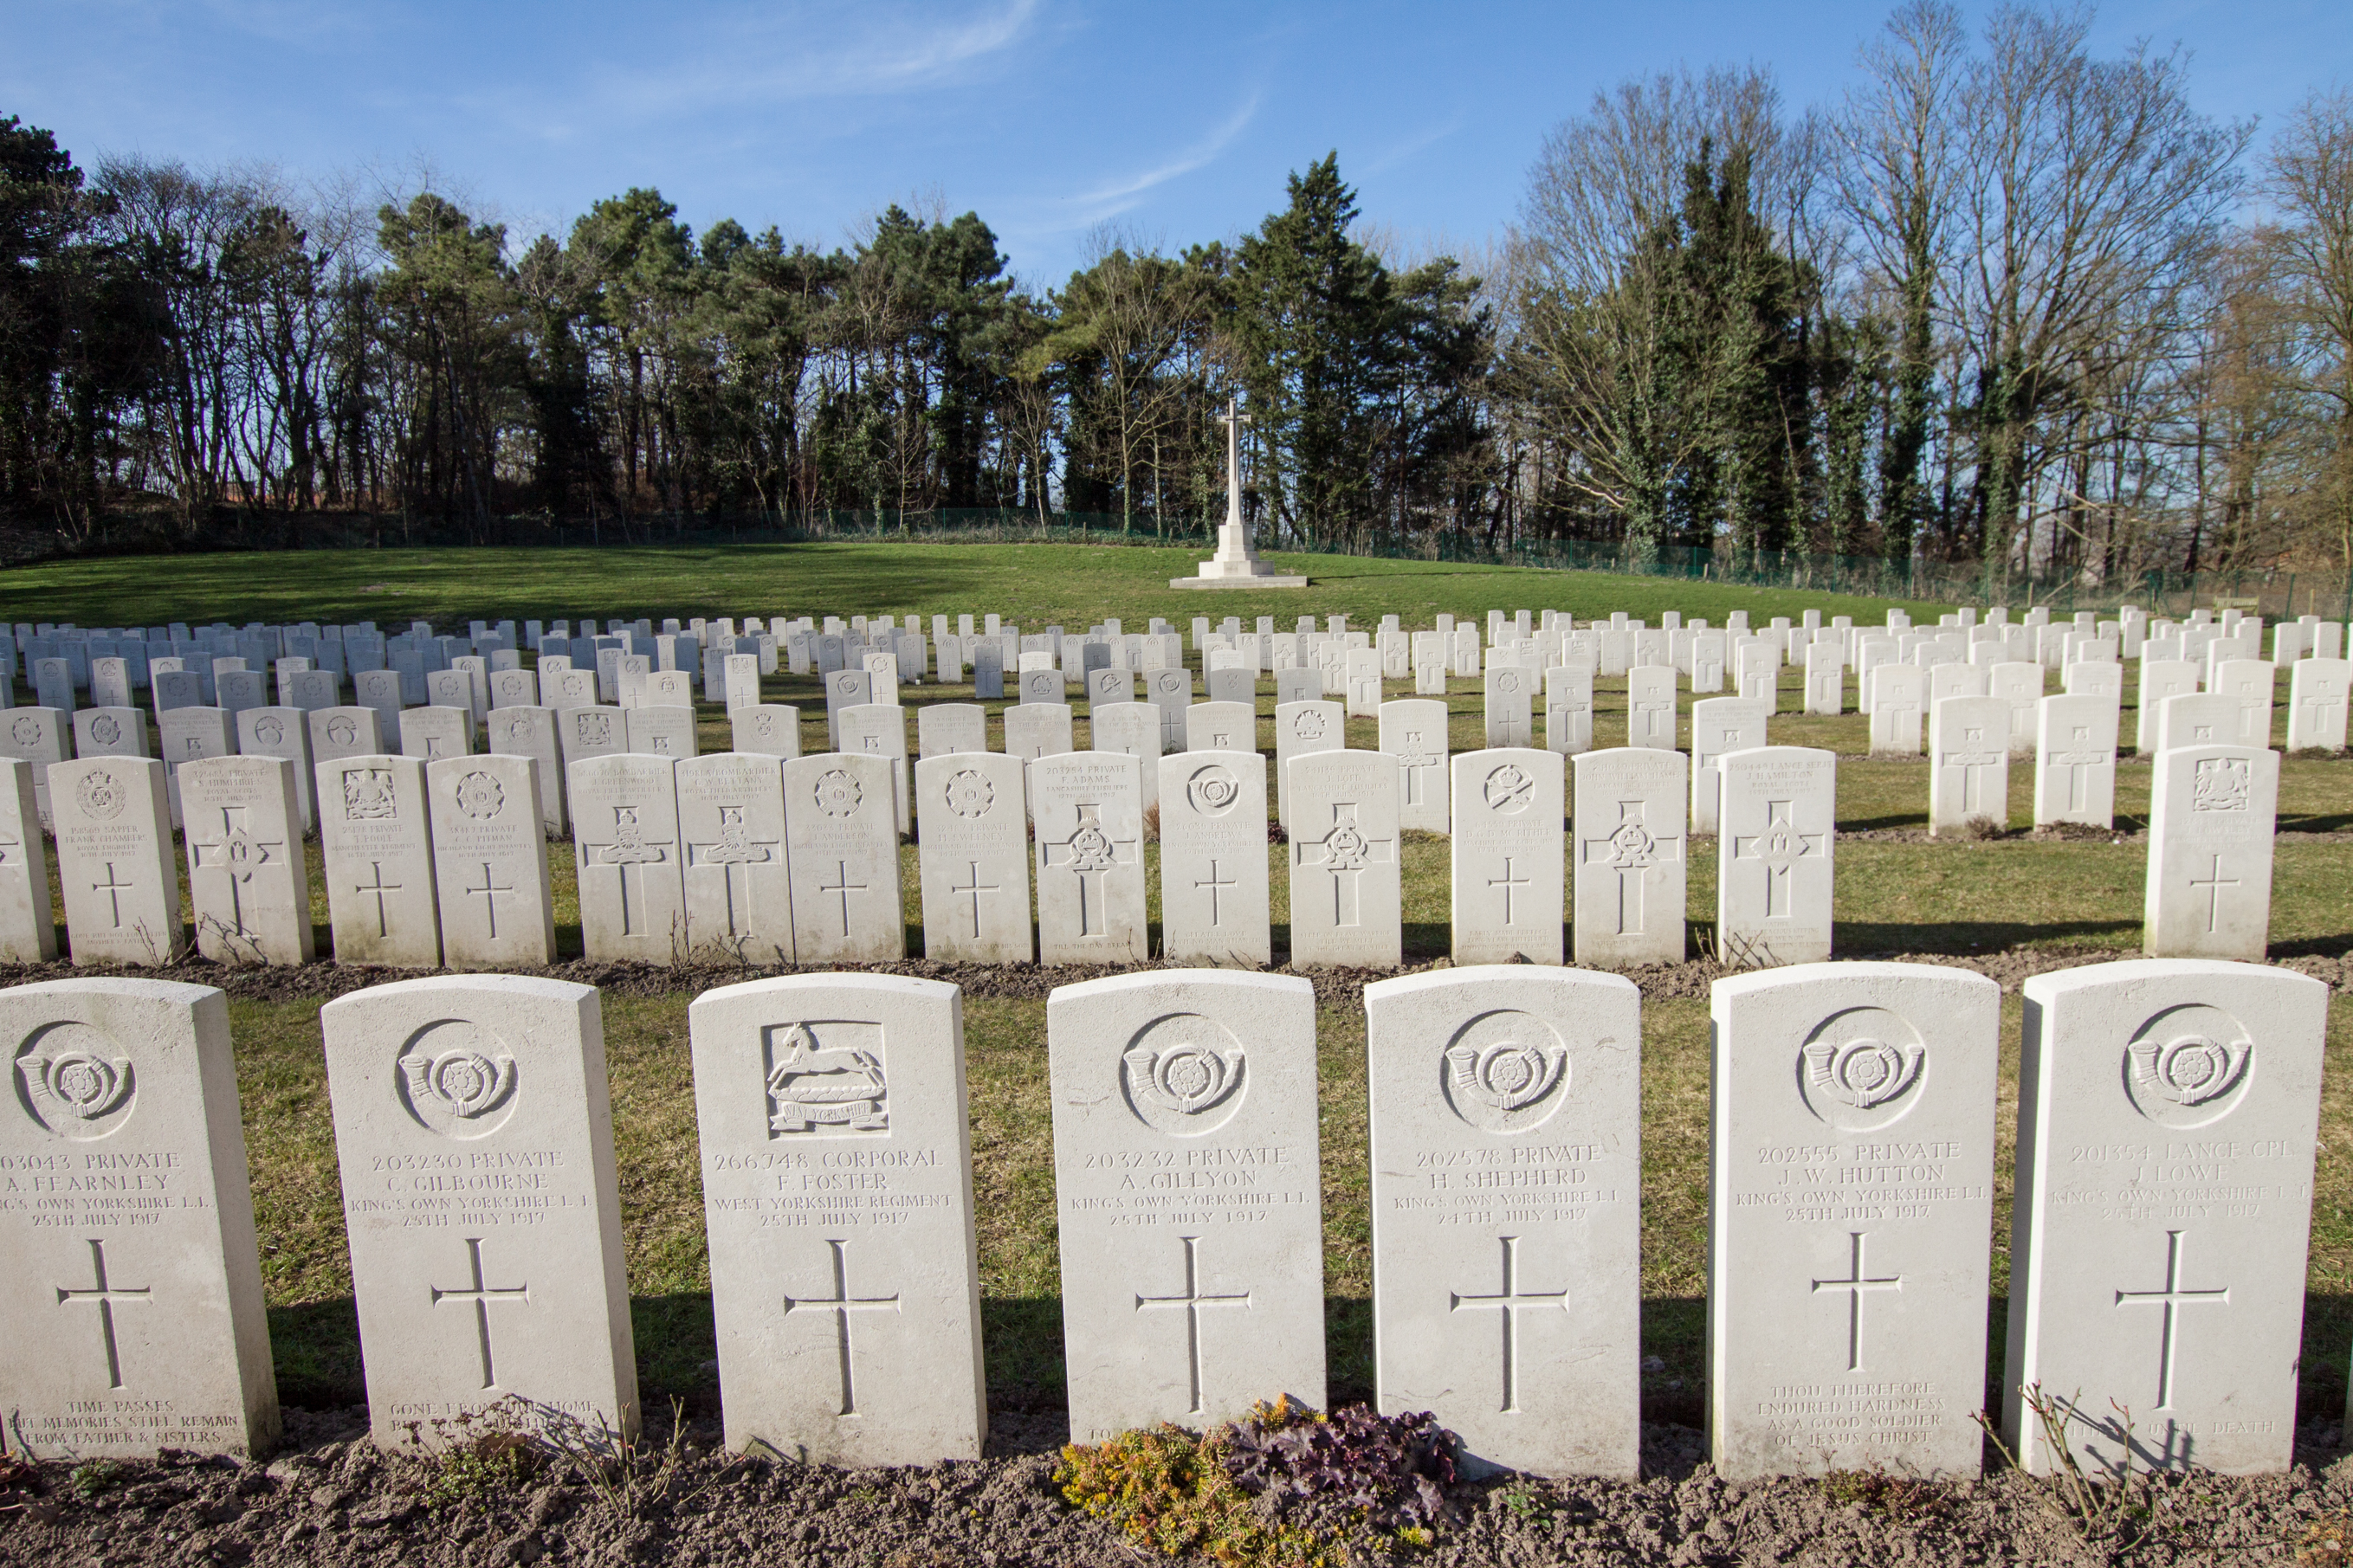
(1391, 157)
(1108, 200)
(770, 57)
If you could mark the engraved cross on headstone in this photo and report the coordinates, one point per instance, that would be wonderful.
(237, 853)
(103, 1296)
(1212, 882)
(735, 852)
(1346, 852)
(1976, 767)
(113, 889)
(972, 891)
(1510, 1303)
(1779, 849)
(1508, 882)
(1091, 851)
(2213, 883)
(2079, 761)
(2171, 1298)
(1631, 850)
(379, 889)
(841, 1303)
(1192, 1302)
(842, 887)
(482, 1296)
(1854, 1285)
(628, 852)
(488, 892)
(1414, 759)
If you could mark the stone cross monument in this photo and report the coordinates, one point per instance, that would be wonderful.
(1235, 564)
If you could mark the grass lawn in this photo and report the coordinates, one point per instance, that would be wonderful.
(1892, 895)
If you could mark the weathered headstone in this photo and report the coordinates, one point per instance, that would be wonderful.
(945, 728)
(973, 857)
(1630, 856)
(1651, 707)
(29, 932)
(114, 861)
(1187, 1197)
(1213, 863)
(1089, 810)
(1302, 729)
(1506, 1212)
(249, 879)
(837, 1174)
(1346, 896)
(110, 732)
(1968, 762)
(1506, 855)
(1719, 724)
(490, 863)
(769, 730)
(530, 732)
(1853, 1189)
(377, 859)
(1221, 727)
(1774, 854)
(2075, 759)
(1036, 730)
(2212, 813)
(2167, 1117)
(338, 733)
(433, 733)
(626, 853)
(133, 1290)
(842, 847)
(659, 729)
(474, 1134)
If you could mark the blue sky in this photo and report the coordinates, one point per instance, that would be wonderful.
(1047, 117)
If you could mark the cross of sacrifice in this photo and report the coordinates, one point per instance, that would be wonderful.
(1091, 852)
(1854, 1285)
(2171, 1298)
(482, 1296)
(2079, 760)
(1213, 884)
(103, 1296)
(1779, 849)
(973, 892)
(841, 1304)
(234, 851)
(628, 852)
(1510, 1303)
(1631, 850)
(1347, 853)
(1193, 1302)
(113, 890)
(735, 852)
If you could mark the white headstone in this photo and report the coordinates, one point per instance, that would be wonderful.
(2075, 757)
(1221, 727)
(1347, 892)
(377, 858)
(731, 824)
(1302, 729)
(1506, 1212)
(1568, 709)
(110, 732)
(1510, 706)
(249, 879)
(1851, 1198)
(474, 1134)
(1969, 760)
(133, 1290)
(769, 730)
(837, 1177)
(525, 732)
(879, 729)
(2316, 704)
(1184, 1100)
(429, 734)
(114, 861)
(1506, 855)
(659, 729)
(1719, 724)
(973, 855)
(2167, 1117)
(29, 932)
(1214, 894)
(1089, 809)
(1036, 730)
(1630, 856)
(842, 848)
(626, 856)
(2211, 816)
(338, 732)
(945, 727)
(1774, 853)
(490, 863)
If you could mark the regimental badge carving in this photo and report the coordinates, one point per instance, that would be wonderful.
(100, 795)
(75, 1081)
(105, 729)
(1506, 1072)
(764, 725)
(481, 796)
(1182, 1075)
(343, 732)
(1507, 682)
(826, 1077)
(457, 1079)
(2189, 1065)
(2221, 783)
(1307, 726)
(837, 793)
(270, 731)
(1214, 790)
(26, 731)
(970, 794)
(1862, 1069)
(1509, 790)
(368, 795)
(596, 728)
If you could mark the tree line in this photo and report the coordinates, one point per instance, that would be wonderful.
(2005, 300)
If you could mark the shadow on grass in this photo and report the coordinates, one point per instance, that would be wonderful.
(1852, 938)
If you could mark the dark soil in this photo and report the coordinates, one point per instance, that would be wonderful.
(330, 1498)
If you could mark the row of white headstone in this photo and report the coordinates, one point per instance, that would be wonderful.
(2165, 1134)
